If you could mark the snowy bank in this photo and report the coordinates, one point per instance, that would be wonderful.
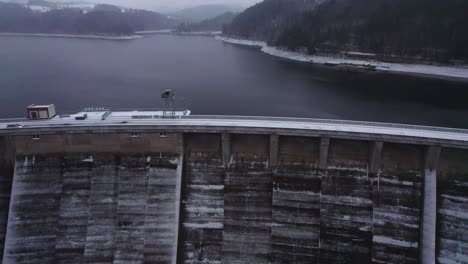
(244, 42)
(148, 32)
(414, 69)
(172, 32)
(69, 36)
(200, 33)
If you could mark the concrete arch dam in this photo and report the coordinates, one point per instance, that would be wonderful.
(233, 190)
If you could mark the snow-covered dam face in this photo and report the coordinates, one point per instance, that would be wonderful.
(196, 197)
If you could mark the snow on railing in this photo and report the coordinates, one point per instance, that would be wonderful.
(13, 120)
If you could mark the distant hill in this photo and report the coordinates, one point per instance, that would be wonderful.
(47, 5)
(106, 7)
(16, 18)
(213, 24)
(204, 12)
(42, 3)
(424, 29)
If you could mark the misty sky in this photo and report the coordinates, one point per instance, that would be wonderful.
(158, 5)
(166, 5)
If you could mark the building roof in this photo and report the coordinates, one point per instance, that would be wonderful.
(33, 106)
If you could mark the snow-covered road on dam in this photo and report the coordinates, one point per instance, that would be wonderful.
(152, 119)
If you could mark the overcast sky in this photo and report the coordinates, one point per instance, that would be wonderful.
(166, 5)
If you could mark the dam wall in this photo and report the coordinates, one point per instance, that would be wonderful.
(169, 196)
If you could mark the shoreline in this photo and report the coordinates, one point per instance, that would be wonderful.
(172, 32)
(420, 70)
(42, 35)
(200, 33)
(150, 32)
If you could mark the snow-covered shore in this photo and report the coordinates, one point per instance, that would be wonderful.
(172, 32)
(200, 33)
(401, 68)
(69, 36)
(149, 32)
(244, 42)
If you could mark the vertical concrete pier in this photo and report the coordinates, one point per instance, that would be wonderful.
(428, 226)
(273, 161)
(324, 149)
(7, 160)
(226, 148)
(375, 157)
(178, 192)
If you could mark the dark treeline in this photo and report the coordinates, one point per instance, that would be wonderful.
(102, 20)
(424, 29)
(266, 19)
(213, 24)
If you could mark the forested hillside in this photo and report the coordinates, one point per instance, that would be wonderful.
(214, 24)
(200, 13)
(18, 19)
(426, 29)
(266, 19)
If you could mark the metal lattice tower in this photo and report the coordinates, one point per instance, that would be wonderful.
(168, 97)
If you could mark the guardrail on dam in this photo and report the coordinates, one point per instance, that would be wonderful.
(232, 190)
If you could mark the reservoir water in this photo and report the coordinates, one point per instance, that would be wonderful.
(212, 78)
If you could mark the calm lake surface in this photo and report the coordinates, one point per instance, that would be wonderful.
(212, 78)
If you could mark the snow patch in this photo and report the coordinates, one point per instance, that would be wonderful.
(394, 242)
(454, 213)
(25, 164)
(397, 182)
(90, 159)
(207, 187)
(203, 209)
(346, 200)
(455, 198)
(174, 161)
(210, 225)
(447, 261)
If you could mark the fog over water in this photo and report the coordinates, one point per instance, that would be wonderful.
(211, 78)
